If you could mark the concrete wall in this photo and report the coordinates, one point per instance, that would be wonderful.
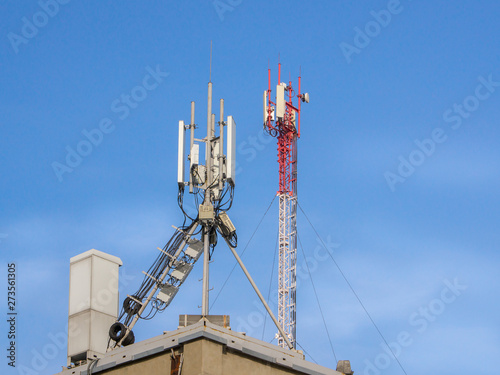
(207, 358)
(156, 365)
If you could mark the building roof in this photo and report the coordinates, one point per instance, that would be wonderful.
(235, 341)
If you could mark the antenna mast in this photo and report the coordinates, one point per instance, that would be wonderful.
(282, 120)
(211, 184)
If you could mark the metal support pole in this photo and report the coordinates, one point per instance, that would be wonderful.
(207, 201)
(259, 294)
(206, 258)
(208, 150)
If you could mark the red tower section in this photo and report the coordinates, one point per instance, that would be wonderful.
(286, 129)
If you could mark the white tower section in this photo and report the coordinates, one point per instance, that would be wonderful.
(287, 282)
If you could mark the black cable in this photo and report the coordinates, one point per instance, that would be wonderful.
(305, 351)
(130, 308)
(156, 270)
(241, 255)
(352, 289)
(180, 202)
(317, 299)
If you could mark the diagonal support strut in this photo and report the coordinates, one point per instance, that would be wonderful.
(259, 294)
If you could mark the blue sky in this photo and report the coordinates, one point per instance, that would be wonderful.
(398, 166)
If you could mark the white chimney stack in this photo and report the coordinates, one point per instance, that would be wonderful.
(93, 303)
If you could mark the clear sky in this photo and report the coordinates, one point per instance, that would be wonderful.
(398, 166)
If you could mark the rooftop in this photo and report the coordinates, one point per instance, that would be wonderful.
(203, 346)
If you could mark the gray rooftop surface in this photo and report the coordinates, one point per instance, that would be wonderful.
(236, 341)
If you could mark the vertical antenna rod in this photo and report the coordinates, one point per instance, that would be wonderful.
(210, 75)
(208, 193)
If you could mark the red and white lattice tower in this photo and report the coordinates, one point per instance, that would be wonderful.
(282, 120)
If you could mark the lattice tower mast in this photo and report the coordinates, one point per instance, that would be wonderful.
(282, 120)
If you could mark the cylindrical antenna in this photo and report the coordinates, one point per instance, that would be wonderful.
(192, 113)
(221, 110)
(221, 145)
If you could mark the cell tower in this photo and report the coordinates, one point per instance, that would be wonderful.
(282, 120)
(212, 188)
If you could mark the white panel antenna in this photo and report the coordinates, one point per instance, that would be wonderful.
(195, 154)
(280, 101)
(181, 154)
(231, 150)
(215, 153)
(265, 107)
